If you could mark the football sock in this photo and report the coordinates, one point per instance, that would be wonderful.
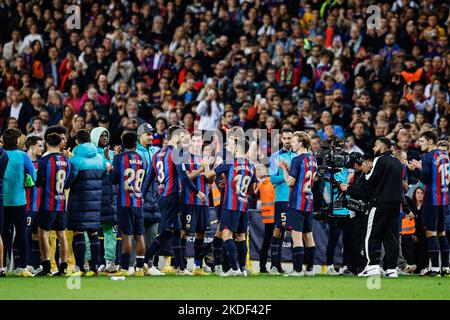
(311, 253)
(176, 247)
(35, 254)
(156, 245)
(140, 261)
(16, 253)
(275, 251)
(95, 251)
(217, 250)
(183, 247)
(62, 267)
(298, 254)
(125, 261)
(242, 253)
(79, 250)
(198, 251)
(443, 244)
(433, 251)
(230, 249)
(46, 266)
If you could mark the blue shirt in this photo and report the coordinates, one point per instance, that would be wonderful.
(239, 176)
(276, 174)
(200, 182)
(53, 177)
(435, 177)
(303, 169)
(19, 165)
(168, 174)
(129, 173)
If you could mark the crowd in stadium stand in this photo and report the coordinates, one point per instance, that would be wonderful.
(307, 65)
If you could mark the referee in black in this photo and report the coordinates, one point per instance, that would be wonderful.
(384, 184)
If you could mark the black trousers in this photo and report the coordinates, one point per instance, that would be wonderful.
(383, 226)
(335, 230)
(16, 218)
(264, 252)
(408, 248)
(353, 241)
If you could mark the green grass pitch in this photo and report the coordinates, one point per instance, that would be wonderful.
(212, 287)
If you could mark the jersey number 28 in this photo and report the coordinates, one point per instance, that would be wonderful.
(136, 176)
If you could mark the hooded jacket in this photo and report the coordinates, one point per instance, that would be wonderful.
(85, 189)
(109, 190)
(151, 197)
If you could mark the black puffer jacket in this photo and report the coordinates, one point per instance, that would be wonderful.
(85, 198)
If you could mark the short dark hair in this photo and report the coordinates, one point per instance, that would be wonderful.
(83, 136)
(53, 139)
(386, 141)
(288, 130)
(430, 135)
(10, 137)
(129, 139)
(173, 130)
(32, 141)
(55, 129)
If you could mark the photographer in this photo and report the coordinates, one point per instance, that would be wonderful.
(384, 183)
(354, 228)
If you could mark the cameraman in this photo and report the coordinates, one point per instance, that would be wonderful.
(384, 183)
(354, 228)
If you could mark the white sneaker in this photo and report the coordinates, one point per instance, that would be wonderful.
(185, 272)
(391, 273)
(423, 271)
(274, 271)
(370, 271)
(232, 273)
(110, 267)
(38, 270)
(410, 268)
(218, 270)
(244, 273)
(331, 271)
(309, 273)
(207, 269)
(154, 272)
(101, 268)
(294, 274)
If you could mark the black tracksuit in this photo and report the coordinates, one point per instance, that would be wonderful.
(384, 183)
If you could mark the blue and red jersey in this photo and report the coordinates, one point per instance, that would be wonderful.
(33, 195)
(53, 176)
(168, 173)
(435, 177)
(129, 170)
(303, 169)
(239, 176)
(200, 182)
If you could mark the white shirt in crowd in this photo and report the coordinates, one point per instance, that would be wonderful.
(212, 121)
(15, 110)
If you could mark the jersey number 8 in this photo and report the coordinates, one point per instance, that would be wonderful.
(60, 179)
(136, 176)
